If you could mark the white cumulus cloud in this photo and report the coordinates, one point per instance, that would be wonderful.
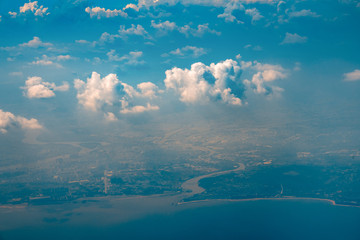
(8, 119)
(352, 76)
(35, 43)
(131, 6)
(31, 7)
(97, 93)
(164, 27)
(102, 12)
(148, 89)
(35, 87)
(201, 83)
(263, 76)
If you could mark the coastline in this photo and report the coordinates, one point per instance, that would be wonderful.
(332, 202)
(115, 210)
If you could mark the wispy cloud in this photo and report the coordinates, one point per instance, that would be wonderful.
(167, 26)
(187, 51)
(132, 58)
(292, 38)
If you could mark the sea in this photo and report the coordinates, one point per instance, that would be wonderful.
(256, 220)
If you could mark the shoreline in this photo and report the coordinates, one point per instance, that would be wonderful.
(178, 203)
(332, 202)
(115, 210)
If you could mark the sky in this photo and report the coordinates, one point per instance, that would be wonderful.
(76, 69)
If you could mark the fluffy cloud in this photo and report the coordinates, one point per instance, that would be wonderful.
(133, 30)
(148, 89)
(263, 75)
(7, 119)
(35, 87)
(107, 13)
(13, 14)
(191, 51)
(102, 12)
(199, 31)
(31, 7)
(203, 83)
(352, 76)
(64, 57)
(291, 38)
(35, 43)
(97, 93)
(131, 6)
(164, 27)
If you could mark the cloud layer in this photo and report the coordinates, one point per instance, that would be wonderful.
(201, 84)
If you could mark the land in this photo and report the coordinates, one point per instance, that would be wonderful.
(339, 184)
(226, 164)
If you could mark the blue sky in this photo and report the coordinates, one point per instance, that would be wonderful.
(110, 64)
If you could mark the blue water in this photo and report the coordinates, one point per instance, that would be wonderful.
(280, 220)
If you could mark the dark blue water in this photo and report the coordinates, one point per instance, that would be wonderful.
(280, 220)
